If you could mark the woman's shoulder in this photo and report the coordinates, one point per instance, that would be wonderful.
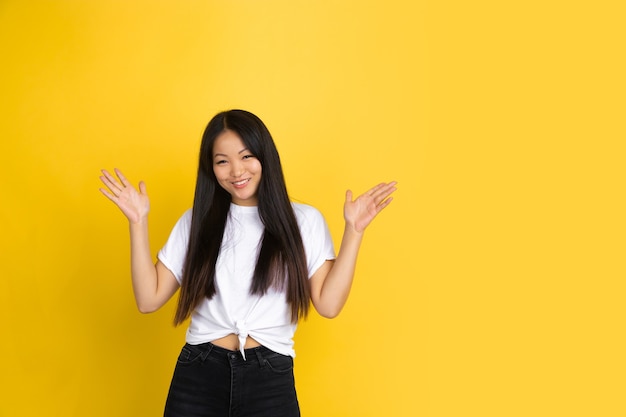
(186, 216)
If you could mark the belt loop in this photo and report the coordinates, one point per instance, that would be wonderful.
(207, 351)
(260, 357)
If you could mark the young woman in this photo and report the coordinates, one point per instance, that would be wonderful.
(248, 263)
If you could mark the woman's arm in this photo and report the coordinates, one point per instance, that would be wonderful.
(331, 283)
(153, 285)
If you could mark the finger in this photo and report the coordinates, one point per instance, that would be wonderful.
(385, 186)
(383, 204)
(122, 178)
(114, 188)
(383, 192)
(111, 182)
(374, 189)
(348, 196)
(142, 187)
(381, 188)
(108, 195)
(383, 198)
(383, 201)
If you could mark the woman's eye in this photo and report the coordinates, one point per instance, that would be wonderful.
(248, 156)
(220, 162)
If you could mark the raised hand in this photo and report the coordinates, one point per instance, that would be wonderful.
(360, 212)
(134, 203)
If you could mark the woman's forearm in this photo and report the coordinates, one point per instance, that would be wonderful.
(143, 270)
(336, 288)
(331, 284)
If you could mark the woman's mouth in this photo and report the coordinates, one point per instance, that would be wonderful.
(241, 184)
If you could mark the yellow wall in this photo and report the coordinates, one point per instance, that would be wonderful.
(493, 285)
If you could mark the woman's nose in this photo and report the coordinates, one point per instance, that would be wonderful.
(236, 169)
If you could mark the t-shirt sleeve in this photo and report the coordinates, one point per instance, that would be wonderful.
(173, 254)
(318, 243)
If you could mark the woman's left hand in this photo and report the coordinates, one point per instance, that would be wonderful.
(360, 212)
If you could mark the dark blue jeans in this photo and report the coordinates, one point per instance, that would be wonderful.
(210, 381)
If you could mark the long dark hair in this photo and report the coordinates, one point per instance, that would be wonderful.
(281, 262)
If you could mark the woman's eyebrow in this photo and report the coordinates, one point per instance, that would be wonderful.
(224, 155)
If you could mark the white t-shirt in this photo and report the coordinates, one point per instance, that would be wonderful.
(232, 309)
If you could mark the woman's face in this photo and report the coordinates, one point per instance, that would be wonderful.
(237, 170)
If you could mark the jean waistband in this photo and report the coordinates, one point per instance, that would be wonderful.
(255, 354)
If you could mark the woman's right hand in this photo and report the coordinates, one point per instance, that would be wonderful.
(134, 204)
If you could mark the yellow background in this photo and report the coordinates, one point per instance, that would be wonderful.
(492, 286)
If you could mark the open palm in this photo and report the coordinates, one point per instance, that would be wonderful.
(360, 212)
(132, 202)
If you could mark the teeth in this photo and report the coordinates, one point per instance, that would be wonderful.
(241, 182)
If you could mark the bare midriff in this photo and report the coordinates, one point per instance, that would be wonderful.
(231, 342)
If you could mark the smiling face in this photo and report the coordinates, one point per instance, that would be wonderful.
(237, 170)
